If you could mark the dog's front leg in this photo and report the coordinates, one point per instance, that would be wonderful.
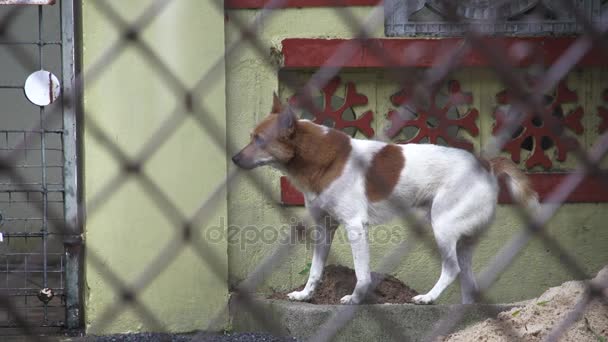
(357, 236)
(322, 236)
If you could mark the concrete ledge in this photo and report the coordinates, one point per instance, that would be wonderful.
(303, 320)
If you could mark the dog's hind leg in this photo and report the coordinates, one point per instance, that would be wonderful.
(323, 236)
(468, 284)
(458, 211)
(449, 270)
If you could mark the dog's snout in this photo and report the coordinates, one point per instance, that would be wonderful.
(236, 158)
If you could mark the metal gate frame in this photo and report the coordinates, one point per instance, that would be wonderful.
(70, 109)
(72, 176)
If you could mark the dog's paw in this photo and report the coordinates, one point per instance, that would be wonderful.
(300, 295)
(423, 299)
(350, 299)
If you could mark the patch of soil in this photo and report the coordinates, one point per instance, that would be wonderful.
(339, 281)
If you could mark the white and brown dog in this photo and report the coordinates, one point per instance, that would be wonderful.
(359, 183)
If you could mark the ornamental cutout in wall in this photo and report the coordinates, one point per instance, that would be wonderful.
(540, 133)
(439, 122)
(518, 18)
(334, 111)
(602, 112)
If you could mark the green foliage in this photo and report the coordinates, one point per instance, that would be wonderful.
(305, 270)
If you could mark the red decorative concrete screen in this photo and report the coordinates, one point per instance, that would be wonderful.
(537, 135)
(546, 129)
(336, 115)
(433, 122)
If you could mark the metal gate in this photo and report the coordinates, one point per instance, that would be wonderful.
(38, 143)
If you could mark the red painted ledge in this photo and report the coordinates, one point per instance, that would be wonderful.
(591, 190)
(313, 53)
(256, 4)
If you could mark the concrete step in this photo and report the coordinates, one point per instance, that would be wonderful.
(376, 322)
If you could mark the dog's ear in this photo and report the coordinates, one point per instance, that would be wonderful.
(277, 106)
(287, 121)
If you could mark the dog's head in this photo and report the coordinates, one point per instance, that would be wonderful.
(272, 139)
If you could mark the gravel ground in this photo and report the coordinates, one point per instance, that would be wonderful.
(161, 337)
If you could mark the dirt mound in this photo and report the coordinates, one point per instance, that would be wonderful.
(339, 281)
(536, 320)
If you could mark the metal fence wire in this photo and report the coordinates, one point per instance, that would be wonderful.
(38, 163)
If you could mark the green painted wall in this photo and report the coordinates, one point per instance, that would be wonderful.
(129, 100)
(252, 213)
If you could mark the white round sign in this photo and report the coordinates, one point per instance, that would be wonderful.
(42, 88)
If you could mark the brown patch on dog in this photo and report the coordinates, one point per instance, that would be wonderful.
(383, 173)
(312, 156)
(319, 156)
(267, 127)
(275, 137)
(278, 124)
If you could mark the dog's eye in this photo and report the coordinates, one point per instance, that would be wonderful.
(258, 140)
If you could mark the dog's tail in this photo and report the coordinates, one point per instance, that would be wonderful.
(516, 181)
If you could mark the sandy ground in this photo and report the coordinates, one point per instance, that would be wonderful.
(538, 319)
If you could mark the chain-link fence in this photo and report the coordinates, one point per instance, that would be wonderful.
(54, 137)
